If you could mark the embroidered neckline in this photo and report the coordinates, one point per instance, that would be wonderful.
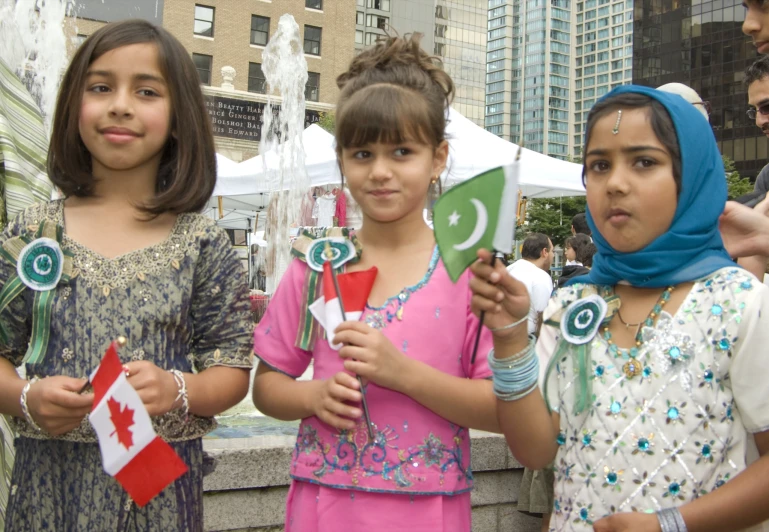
(96, 270)
(404, 294)
(59, 219)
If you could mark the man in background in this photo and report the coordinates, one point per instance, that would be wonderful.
(533, 270)
(579, 225)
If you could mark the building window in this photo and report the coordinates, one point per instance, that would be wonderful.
(260, 30)
(382, 5)
(314, 4)
(375, 21)
(312, 40)
(203, 64)
(358, 37)
(204, 21)
(256, 79)
(360, 18)
(312, 88)
(371, 38)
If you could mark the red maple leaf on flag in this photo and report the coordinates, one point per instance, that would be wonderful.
(123, 421)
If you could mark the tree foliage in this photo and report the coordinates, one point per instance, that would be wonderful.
(736, 185)
(327, 121)
(552, 216)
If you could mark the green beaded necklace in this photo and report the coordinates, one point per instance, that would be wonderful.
(632, 367)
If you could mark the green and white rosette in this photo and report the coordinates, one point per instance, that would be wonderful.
(342, 252)
(582, 319)
(41, 264)
(580, 323)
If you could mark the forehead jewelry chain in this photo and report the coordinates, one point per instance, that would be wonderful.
(616, 126)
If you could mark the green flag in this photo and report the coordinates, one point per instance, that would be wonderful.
(470, 215)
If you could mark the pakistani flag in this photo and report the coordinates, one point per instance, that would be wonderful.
(478, 213)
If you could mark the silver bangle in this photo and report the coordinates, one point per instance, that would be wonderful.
(510, 325)
(671, 520)
(25, 407)
(181, 385)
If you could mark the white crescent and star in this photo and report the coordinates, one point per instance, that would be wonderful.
(481, 224)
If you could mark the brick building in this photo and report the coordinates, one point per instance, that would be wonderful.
(233, 33)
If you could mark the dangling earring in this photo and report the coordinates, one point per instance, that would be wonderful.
(434, 180)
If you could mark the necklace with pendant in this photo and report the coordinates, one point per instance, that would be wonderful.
(632, 367)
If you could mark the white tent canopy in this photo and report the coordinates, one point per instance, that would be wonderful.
(247, 187)
(473, 150)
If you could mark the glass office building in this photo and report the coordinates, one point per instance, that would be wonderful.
(529, 57)
(702, 45)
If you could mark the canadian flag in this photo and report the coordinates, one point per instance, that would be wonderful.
(131, 451)
(354, 288)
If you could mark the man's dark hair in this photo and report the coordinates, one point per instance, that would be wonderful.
(579, 223)
(757, 71)
(533, 246)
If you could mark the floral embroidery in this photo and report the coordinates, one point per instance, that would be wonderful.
(67, 355)
(353, 454)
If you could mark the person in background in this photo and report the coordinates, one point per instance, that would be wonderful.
(533, 270)
(688, 94)
(582, 250)
(757, 82)
(579, 225)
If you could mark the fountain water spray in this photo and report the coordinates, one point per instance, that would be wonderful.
(285, 71)
(33, 44)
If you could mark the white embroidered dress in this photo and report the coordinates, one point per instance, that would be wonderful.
(677, 430)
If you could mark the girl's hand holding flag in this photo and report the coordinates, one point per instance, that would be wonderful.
(368, 353)
(55, 404)
(503, 298)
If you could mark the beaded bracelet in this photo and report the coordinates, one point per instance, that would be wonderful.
(671, 520)
(25, 408)
(181, 384)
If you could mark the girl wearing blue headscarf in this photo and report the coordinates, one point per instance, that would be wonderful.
(653, 364)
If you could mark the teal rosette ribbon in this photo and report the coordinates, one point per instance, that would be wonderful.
(41, 264)
(580, 323)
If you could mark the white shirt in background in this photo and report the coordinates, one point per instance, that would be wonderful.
(538, 283)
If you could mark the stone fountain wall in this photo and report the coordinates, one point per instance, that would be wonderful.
(247, 491)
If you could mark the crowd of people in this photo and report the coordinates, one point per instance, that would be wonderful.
(633, 393)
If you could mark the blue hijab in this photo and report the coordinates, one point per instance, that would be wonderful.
(692, 247)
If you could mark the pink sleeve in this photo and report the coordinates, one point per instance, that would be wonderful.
(275, 335)
(480, 369)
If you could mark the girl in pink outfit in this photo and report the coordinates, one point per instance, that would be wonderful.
(413, 342)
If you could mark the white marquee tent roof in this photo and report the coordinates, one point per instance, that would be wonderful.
(473, 150)
(244, 188)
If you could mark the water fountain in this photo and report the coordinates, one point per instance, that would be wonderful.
(285, 71)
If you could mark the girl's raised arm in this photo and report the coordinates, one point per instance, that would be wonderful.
(529, 429)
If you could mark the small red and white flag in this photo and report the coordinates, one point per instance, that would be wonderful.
(131, 451)
(354, 288)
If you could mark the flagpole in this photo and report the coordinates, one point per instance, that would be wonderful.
(495, 252)
(481, 318)
(341, 307)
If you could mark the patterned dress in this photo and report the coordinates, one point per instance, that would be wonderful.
(671, 425)
(181, 304)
